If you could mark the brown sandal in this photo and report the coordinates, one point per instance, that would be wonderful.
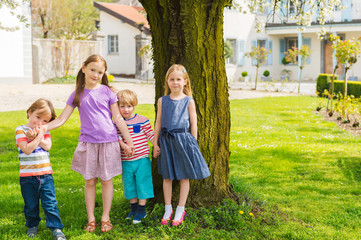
(106, 226)
(91, 226)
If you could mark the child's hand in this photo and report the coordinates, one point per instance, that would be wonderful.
(42, 129)
(127, 151)
(31, 134)
(132, 149)
(156, 151)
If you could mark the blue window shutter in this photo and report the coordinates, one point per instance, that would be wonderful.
(108, 44)
(269, 55)
(347, 12)
(254, 44)
(282, 49)
(241, 57)
(307, 41)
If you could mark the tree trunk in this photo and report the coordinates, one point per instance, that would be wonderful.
(345, 84)
(255, 83)
(299, 81)
(190, 32)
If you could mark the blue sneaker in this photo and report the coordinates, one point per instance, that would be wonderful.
(138, 217)
(58, 235)
(31, 232)
(131, 215)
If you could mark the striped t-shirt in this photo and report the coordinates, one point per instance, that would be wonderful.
(36, 163)
(139, 129)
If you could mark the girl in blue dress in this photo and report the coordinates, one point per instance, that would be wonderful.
(176, 141)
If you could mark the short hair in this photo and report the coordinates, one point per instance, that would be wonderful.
(45, 107)
(127, 97)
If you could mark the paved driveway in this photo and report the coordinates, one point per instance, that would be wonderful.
(19, 97)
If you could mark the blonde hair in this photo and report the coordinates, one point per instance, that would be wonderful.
(127, 97)
(80, 78)
(187, 90)
(44, 106)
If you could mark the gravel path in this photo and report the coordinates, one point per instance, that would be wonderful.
(19, 97)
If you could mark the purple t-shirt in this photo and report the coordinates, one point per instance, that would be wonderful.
(95, 115)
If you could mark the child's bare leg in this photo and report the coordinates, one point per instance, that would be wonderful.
(183, 195)
(142, 202)
(184, 190)
(107, 196)
(89, 193)
(133, 200)
(167, 191)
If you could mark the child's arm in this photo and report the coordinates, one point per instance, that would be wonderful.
(157, 128)
(28, 148)
(128, 150)
(148, 131)
(122, 126)
(193, 118)
(45, 143)
(64, 116)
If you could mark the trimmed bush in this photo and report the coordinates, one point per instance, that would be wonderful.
(244, 74)
(266, 73)
(323, 83)
(353, 88)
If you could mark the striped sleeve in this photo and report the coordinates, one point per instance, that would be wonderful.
(147, 128)
(20, 135)
(47, 135)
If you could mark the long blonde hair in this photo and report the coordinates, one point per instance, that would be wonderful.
(187, 90)
(80, 78)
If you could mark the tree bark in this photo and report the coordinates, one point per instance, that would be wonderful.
(190, 32)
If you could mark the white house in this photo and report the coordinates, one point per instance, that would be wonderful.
(280, 35)
(15, 48)
(121, 24)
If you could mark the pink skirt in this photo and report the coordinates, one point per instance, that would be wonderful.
(97, 160)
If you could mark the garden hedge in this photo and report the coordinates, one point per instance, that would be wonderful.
(324, 82)
(353, 88)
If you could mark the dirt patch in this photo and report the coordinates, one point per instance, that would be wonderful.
(343, 125)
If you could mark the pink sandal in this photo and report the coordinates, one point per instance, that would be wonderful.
(165, 221)
(180, 221)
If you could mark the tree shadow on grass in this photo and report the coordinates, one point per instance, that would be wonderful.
(351, 167)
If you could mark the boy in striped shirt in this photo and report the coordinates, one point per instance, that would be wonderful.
(36, 179)
(137, 171)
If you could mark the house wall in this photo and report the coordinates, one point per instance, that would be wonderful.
(124, 61)
(56, 58)
(246, 32)
(15, 49)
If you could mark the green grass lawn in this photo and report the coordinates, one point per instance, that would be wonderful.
(299, 175)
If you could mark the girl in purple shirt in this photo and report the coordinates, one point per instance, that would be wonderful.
(98, 152)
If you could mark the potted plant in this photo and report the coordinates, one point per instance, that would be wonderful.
(266, 76)
(245, 76)
(285, 74)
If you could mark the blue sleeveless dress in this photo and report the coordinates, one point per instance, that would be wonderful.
(180, 157)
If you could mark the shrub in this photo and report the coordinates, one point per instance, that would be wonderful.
(244, 74)
(285, 61)
(323, 83)
(353, 88)
(266, 73)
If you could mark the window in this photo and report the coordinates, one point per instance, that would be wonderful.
(292, 8)
(266, 44)
(233, 58)
(261, 43)
(291, 42)
(113, 44)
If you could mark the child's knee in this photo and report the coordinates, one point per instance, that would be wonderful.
(91, 182)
